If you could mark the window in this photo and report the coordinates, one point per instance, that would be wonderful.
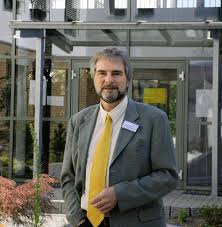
(91, 4)
(175, 3)
(212, 3)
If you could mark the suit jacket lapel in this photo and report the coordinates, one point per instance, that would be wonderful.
(126, 135)
(85, 134)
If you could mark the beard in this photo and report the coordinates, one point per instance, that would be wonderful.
(113, 96)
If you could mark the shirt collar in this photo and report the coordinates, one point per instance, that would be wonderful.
(116, 112)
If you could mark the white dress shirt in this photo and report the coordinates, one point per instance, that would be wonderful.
(117, 114)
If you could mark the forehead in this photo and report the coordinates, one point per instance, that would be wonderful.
(107, 63)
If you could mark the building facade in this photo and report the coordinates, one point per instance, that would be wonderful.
(174, 46)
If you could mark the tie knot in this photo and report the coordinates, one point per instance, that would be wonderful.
(108, 118)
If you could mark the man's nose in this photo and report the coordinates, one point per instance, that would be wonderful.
(109, 78)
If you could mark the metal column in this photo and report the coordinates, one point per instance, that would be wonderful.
(215, 128)
(39, 97)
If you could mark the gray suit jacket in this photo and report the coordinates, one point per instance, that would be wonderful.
(142, 168)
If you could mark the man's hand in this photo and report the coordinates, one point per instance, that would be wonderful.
(106, 200)
(81, 222)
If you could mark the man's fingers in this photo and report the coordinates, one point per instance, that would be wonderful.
(97, 199)
(105, 200)
(106, 208)
(100, 204)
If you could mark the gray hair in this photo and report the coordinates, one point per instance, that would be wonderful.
(112, 53)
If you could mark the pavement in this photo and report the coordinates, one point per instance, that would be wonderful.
(58, 220)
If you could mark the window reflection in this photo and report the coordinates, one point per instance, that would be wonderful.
(176, 3)
(4, 148)
(24, 96)
(156, 4)
(157, 87)
(54, 88)
(56, 80)
(5, 30)
(199, 157)
(54, 135)
(5, 87)
(212, 3)
(26, 47)
(200, 91)
(23, 150)
(199, 123)
(91, 4)
(87, 93)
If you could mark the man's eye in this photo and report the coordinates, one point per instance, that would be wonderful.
(116, 73)
(101, 73)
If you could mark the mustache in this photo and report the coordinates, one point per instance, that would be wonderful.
(109, 87)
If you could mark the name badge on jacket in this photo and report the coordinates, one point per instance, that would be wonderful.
(130, 126)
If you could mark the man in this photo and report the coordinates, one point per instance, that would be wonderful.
(129, 141)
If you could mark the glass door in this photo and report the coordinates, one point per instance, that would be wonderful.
(161, 84)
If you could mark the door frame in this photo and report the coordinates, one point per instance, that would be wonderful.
(75, 65)
(181, 129)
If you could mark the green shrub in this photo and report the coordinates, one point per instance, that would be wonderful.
(182, 215)
(212, 215)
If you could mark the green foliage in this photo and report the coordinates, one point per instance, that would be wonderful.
(182, 215)
(58, 144)
(172, 107)
(37, 211)
(212, 215)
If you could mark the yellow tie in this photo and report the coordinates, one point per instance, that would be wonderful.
(98, 171)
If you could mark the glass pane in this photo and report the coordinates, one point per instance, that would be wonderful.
(77, 37)
(79, 51)
(87, 93)
(24, 94)
(200, 91)
(56, 80)
(23, 150)
(188, 37)
(71, 10)
(37, 10)
(215, 3)
(157, 87)
(54, 88)
(4, 148)
(174, 38)
(147, 36)
(199, 156)
(5, 31)
(71, 42)
(5, 87)
(54, 137)
(26, 47)
(175, 10)
(168, 51)
(156, 4)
